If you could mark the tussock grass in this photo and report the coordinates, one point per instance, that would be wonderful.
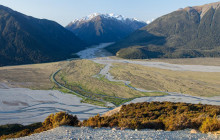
(36, 76)
(81, 73)
(194, 83)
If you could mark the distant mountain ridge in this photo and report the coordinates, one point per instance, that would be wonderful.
(110, 16)
(25, 40)
(101, 28)
(188, 32)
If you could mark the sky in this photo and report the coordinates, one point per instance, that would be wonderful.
(65, 11)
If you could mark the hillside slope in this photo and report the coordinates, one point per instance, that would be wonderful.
(24, 39)
(189, 32)
(102, 28)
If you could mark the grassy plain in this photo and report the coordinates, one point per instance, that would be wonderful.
(79, 75)
(82, 73)
(190, 61)
(36, 76)
(194, 83)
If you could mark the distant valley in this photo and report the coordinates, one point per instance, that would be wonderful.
(101, 67)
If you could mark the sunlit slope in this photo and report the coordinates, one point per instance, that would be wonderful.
(189, 32)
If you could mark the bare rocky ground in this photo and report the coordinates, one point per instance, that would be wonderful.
(83, 133)
(25, 106)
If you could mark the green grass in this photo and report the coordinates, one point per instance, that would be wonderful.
(117, 101)
(92, 99)
(94, 102)
(102, 78)
(77, 78)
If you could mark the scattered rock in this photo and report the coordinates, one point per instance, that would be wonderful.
(122, 128)
(104, 133)
(113, 129)
(216, 133)
(193, 131)
(209, 133)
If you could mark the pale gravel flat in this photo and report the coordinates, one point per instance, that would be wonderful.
(25, 106)
(85, 133)
(179, 98)
(161, 65)
(95, 51)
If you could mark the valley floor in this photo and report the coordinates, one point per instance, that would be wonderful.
(25, 106)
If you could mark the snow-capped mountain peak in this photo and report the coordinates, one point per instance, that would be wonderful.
(149, 21)
(106, 16)
(98, 28)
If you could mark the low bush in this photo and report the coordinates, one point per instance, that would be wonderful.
(10, 128)
(210, 124)
(177, 122)
(59, 119)
(52, 121)
(160, 115)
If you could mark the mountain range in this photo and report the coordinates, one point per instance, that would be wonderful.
(101, 28)
(25, 40)
(188, 32)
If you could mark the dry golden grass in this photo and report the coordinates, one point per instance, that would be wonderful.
(81, 72)
(36, 76)
(194, 83)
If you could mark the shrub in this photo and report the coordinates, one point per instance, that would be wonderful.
(129, 123)
(52, 121)
(10, 128)
(153, 125)
(210, 125)
(177, 122)
(59, 119)
(22, 133)
(93, 121)
(157, 115)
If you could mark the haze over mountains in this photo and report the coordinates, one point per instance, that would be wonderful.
(25, 40)
(189, 32)
(101, 28)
